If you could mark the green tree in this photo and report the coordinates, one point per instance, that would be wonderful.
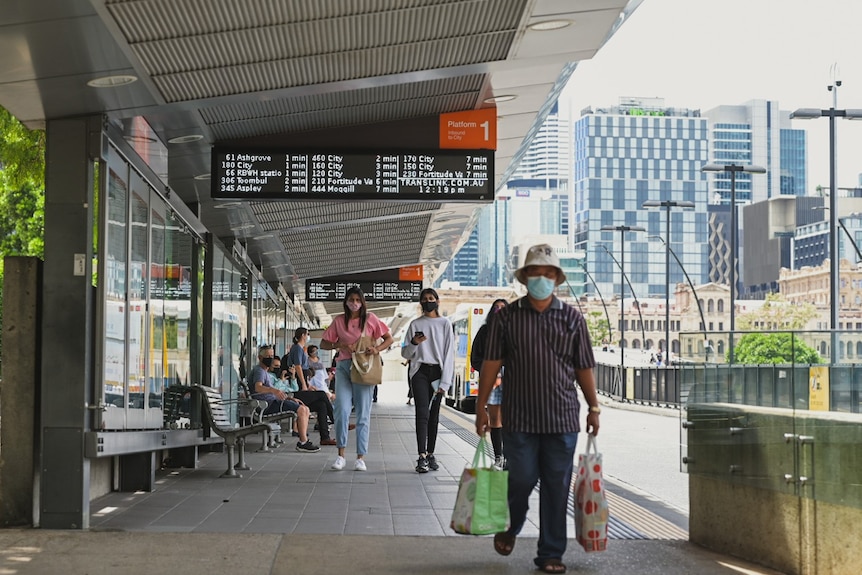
(777, 314)
(22, 192)
(22, 155)
(597, 326)
(774, 348)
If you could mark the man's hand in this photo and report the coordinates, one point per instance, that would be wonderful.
(481, 420)
(593, 423)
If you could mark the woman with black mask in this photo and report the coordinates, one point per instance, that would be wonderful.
(430, 346)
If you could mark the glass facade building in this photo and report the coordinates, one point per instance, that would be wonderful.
(625, 155)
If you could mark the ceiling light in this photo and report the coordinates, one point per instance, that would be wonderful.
(206, 176)
(112, 81)
(547, 25)
(243, 227)
(498, 99)
(272, 253)
(186, 139)
(138, 139)
(221, 206)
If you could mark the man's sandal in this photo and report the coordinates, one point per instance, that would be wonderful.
(551, 565)
(504, 543)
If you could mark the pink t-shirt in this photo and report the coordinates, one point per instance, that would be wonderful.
(338, 332)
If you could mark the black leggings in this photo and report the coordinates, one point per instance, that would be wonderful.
(319, 403)
(427, 413)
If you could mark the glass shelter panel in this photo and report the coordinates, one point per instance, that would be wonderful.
(228, 324)
(114, 289)
(158, 344)
(179, 253)
(138, 332)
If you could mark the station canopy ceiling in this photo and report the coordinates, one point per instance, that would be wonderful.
(290, 73)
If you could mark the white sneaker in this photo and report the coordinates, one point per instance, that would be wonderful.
(339, 463)
(359, 465)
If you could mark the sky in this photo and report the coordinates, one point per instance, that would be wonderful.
(704, 53)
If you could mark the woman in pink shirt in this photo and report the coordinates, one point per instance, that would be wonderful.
(343, 335)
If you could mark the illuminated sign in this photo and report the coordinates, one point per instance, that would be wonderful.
(438, 175)
(469, 129)
(399, 284)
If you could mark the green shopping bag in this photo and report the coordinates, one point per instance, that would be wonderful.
(482, 505)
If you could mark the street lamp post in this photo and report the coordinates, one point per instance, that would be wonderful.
(631, 289)
(599, 293)
(668, 204)
(846, 231)
(622, 230)
(733, 169)
(831, 113)
(691, 285)
(850, 237)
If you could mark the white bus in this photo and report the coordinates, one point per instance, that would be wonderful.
(466, 321)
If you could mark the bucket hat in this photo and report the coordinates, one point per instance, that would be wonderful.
(540, 255)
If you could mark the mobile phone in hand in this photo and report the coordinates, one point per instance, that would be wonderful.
(419, 334)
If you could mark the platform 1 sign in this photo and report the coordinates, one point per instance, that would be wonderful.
(436, 175)
(470, 129)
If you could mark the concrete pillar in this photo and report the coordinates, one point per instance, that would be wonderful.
(74, 147)
(19, 391)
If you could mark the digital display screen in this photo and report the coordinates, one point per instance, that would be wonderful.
(439, 175)
(334, 289)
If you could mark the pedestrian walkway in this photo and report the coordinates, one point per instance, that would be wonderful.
(292, 514)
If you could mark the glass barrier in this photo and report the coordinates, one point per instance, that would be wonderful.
(777, 410)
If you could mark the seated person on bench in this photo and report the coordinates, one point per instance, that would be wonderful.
(315, 401)
(263, 387)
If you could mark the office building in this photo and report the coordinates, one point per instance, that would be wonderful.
(755, 133)
(625, 155)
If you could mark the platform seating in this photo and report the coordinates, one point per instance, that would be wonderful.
(215, 410)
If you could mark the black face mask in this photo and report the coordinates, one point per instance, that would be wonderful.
(267, 361)
(429, 306)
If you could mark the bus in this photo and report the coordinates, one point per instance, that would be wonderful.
(466, 321)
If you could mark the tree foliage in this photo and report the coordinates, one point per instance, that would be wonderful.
(598, 327)
(777, 314)
(22, 192)
(774, 348)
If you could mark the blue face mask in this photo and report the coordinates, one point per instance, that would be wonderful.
(540, 287)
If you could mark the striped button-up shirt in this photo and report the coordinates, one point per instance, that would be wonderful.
(541, 352)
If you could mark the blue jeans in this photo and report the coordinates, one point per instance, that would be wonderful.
(548, 457)
(347, 395)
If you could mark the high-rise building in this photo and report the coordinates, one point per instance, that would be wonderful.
(625, 155)
(755, 133)
(464, 266)
(534, 202)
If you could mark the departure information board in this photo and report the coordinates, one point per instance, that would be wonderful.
(438, 175)
(334, 289)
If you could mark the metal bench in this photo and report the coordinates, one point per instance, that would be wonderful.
(215, 410)
(254, 411)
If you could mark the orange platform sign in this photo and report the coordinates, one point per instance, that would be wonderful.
(470, 130)
(410, 273)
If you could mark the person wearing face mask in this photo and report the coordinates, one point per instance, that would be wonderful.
(343, 335)
(495, 418)
(263, 387)
(316, 402)
(429, 345)
(546, 348)
(298, 358)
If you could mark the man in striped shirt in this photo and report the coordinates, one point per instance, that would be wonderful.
(546, 348)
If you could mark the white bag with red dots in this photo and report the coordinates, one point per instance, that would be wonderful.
(591, 506)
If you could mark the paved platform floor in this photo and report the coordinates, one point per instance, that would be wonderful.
(291, 514)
